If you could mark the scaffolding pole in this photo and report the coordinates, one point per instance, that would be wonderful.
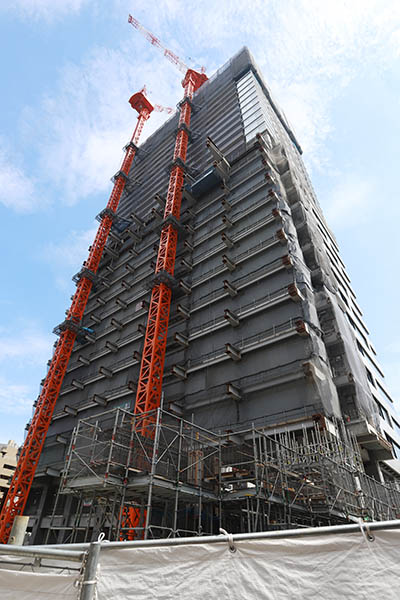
(186, 480)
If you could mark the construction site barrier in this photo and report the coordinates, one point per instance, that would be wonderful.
(345, 561)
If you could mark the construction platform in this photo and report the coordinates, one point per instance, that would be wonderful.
(184, 480)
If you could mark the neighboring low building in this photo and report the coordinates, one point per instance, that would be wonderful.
(8, 462)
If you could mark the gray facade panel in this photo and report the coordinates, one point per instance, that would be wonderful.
(264, 302)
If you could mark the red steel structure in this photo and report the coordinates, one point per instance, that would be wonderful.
(152, 366)
(158, 107)
(149, 387)
(23, 476)
(154, 41)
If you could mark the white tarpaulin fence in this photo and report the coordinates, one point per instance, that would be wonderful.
(325, 567)
(45, 573)
(22, 585)
(339, 564)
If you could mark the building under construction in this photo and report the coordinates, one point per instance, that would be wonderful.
(273, 412)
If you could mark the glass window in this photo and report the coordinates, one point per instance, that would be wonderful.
(382, 410)
(249, 101)
(251, 109)
(253, 101)
(384, 393)
(251, 104)
(244, 79)
(258, 128)
(369, 376)
(250, 93)
(251, 90)
(254, 121)
(252, 116)
(251, 135)
(242, 87)
(243, 93)
(396, 426)
(396, 447)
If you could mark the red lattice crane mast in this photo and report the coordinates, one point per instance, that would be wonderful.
(149, 389)
(23, 476)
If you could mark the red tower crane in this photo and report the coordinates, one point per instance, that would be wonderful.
(154, 41)
(167, 109)
(149, 387)
(158, 107)
(23, 476)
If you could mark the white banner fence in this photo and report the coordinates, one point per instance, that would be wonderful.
(329, 563)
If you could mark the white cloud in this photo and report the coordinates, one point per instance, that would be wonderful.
(17, 190)
(350, 201)
(15, 398)
(394, 347)
(71, 252)
(66, 257)
(24, 352)
(309, 52)
(313, 50)
(305, 103)
(87, 119)
(25, 344)
(47, 10)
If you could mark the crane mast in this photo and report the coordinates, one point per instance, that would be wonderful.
(149, 387)
(68, 330)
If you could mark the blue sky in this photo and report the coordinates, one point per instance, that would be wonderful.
(68, 68)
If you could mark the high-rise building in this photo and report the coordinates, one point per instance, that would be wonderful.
(8, 462)
(274, 407)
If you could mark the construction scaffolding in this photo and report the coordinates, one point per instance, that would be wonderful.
(185, 480)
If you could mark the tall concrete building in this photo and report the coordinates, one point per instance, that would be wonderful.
(275, 411)
(8, 462)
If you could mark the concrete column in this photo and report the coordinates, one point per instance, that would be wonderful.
(18, 531)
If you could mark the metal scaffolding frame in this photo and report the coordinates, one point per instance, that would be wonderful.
(187, 481)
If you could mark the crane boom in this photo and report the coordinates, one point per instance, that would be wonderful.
(169, 55)
(158, 107)
(167, 109)
(21, 482)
